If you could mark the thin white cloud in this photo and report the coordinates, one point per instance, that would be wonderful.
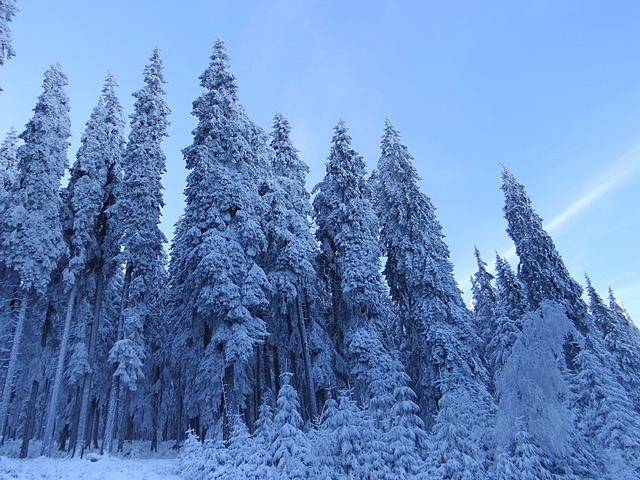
(622, 170)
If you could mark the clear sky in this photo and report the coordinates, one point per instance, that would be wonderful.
(550, 89)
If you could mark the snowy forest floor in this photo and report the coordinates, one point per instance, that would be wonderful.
(134, 466)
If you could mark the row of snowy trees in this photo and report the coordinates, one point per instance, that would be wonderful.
(270, 332)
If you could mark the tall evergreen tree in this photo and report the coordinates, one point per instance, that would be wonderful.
(137, 210)
(32, 242)
(219, 290)
(541, 267)
(441, 345)
(291, 260)
(84, 197)
(348, 235)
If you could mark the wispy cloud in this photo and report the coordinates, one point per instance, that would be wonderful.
(615, 176)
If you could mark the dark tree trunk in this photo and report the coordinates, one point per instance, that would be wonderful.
(30, 420)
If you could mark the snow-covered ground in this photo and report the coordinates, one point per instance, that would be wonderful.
(106, 468)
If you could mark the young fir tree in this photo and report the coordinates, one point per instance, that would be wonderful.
(137, 209)
(291, 450)
(347, 232)
(521, 461)
(510, 307)
(32, 242)
(219, 290)
(484, 300)
(441, 345)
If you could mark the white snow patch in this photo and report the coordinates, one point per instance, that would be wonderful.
(105, 468)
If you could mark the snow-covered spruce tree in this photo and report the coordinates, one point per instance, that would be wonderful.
(7, 12)
(84, 204)
(510, 307)
(621, 340)
(291, 449)
(441, 344)
(606, 417)
(8, 162)
(137, 211)
(541, 268)
(219, 290)
(32, 242)
(521, 461)
(290, 266)
(484, 299)
(344, 442)
(348, 234)
(532, 390)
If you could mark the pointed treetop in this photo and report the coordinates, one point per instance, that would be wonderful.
(218, 76)
(286, 162)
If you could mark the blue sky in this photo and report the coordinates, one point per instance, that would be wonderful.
(550, 89)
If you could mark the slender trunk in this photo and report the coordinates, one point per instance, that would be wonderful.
(155, 420)
(30, 420)
(112, 411)
(96, 423)
(107, 439)
(124, 416)
(57, 382)
(178, 429)
(81, 441)
(229, 405)
(13, 363)
(308, 369)
(75, 417)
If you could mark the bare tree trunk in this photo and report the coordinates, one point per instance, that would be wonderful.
(30, 420)
(229, 404)
(57, 382)
(81, 441)
(112, 411)
(96, 423)
(13, 363)
(308, 369)
(107, 439)
(124, 417)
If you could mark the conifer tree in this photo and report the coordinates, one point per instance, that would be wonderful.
(510, 307)
(8, 162)
(219, 290)
(32, 242)
(137, 210)
(347, 232)
(484, 299)
(522, 461)
(290, 259)
(606, 416)
(541, 268)
(621, 340)
(85, 198)
(442, 347)
(8, 10)
(291, 451)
